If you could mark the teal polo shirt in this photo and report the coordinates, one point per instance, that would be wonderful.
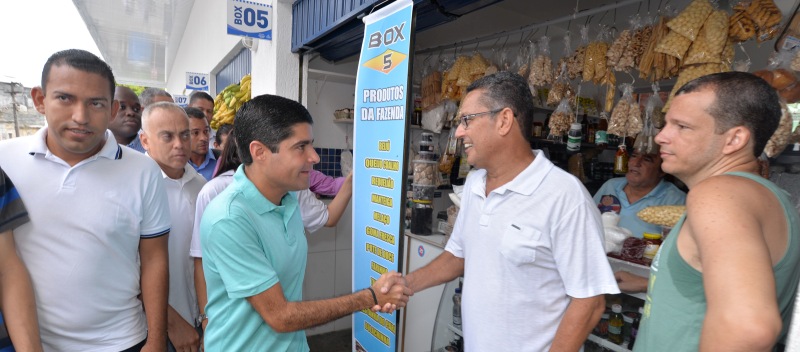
(249, 245)
(665, 193)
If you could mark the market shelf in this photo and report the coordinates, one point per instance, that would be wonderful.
(633, 268)
(607, 344)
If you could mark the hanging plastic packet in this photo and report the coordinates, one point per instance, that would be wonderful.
(575, 62)
(618, 48)
(710, 42)
(620, 116)
(560, 120)
(566, 42)
(780, 138)
(598, 55)
(522, 63)
(431, 86)
(449, 78)
(504, 60)
(560, 87)
(541, 70)
(641, 38)
(653, 109)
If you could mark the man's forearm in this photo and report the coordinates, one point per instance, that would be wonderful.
(200, 285)
(19, 306)
(580, 318)
(307, 314)
(155, 286)
(339, 203)
(446, 267)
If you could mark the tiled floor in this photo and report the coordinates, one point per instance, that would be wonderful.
(337, 341)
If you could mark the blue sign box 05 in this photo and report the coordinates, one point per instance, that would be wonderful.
(250, 19)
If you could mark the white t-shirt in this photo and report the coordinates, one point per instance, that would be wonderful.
(182, 195)
(528, 247)
(313, 211)
(82, 243)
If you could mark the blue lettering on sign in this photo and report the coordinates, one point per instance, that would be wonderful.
(250, 19)
(237, 14)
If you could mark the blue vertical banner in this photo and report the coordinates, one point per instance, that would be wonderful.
(381, 99)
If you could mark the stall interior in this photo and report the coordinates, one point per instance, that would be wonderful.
(602, 75)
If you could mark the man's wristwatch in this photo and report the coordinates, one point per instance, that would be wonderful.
(200, 319)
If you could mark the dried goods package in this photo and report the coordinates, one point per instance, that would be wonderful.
(689, 21)
(710, 42)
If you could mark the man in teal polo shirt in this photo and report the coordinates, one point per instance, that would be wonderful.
(254, 245)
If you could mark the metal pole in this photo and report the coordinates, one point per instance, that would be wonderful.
(14, 108)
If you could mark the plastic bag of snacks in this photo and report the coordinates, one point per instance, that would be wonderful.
(623, 120)
(595, 63)
(710, 42)
(431, 86)
(653, 108)
(522, 63)
(691, 19)
(575, 61)
(782, 135)
(541, 68)
(560, 87)
(561, 119)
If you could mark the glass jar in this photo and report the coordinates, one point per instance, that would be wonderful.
(652, 244)
(422, 217)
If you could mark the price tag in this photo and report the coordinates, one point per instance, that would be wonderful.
(197, 81)
(250, 19)
(181, 100)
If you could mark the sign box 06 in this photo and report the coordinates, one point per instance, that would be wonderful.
(197, 81)
(250, 19)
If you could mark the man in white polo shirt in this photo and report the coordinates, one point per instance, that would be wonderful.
(166, 138)
(97, 238)
(528, 238)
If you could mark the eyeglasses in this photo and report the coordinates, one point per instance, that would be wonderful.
(465, 118)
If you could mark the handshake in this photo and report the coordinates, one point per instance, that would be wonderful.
(391, 291)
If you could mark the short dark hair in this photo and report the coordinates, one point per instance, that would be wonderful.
(229, 158)
(149, 94)
(506, 89)
(194, 113)
(81, 60)
(221, 131)
(741, 99)
(200, 95)
(268, 119)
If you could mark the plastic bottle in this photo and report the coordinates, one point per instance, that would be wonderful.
(621, 161)
(615, 323)
(601, 136)
(574, 138)
(457, 308)
(635, 328)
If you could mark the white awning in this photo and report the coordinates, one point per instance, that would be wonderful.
(137, 38)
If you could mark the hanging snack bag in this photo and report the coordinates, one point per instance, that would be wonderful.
(618, 124)
(575, 62)
(653, 109)
(691, 19)
(710, 42)
(561, 119)
(542, 66)
(783, 133)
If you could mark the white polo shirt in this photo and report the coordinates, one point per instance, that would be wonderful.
(528, 247)
(182, 194)
(313, 211)
(82, 243)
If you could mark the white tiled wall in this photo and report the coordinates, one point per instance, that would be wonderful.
(328, 272)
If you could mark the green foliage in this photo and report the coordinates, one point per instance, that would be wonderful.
(136, 89)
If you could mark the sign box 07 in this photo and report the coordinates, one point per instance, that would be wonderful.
(250, 19)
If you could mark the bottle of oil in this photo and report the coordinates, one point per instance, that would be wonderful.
(615, 323)
(621, 161)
